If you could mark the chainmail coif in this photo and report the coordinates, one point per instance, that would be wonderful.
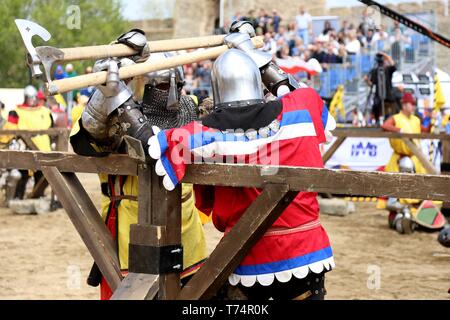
(154, 108)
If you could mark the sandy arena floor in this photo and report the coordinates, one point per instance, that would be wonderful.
(42, 257)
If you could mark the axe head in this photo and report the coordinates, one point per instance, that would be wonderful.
(27, 30)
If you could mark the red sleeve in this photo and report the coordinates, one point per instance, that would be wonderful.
(204, 198)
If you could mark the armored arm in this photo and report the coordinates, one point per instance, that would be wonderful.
(276, 80)
(111, 111)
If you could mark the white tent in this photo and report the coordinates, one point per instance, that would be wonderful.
(11, 97)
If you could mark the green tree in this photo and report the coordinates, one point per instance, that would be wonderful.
(100, 22)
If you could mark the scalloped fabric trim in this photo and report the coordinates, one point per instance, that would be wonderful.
(283, 276)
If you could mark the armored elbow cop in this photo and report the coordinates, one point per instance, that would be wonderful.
(108, 119)
(96, 115)
(273, 77)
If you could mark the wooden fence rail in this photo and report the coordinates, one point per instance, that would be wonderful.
(61, 135)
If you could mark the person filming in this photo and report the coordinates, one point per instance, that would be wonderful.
(380, 78)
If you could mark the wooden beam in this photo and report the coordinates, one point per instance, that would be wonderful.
(137, 286)
(31, 133)
(87, 221)
(68, 162)
(145, 173)
(349, 182)
(30, 144)
(62, 141)
(159, 224)
(379, 133)
(332, 149)
(419, 154)
(230, 251)
(39, 188)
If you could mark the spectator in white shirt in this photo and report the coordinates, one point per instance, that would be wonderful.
(353, 45)
(304, 25)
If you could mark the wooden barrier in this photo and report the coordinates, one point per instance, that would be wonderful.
(62, 144)
(61, 135)
(159, 216)
(343, 133)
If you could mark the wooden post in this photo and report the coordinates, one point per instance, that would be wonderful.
(62, 141)
(159, 225)
(419, 154)
(261, 214)
(166, 211)
(445, 166)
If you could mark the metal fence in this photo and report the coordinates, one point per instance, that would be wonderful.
(412, 52)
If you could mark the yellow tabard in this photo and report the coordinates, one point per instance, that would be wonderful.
(36, 118)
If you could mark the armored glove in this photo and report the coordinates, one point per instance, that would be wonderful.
(243, 27)
(137, 40)
(111, 112)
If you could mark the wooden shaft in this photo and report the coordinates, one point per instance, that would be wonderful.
(98, 78)
(422, 158)
(121, 50)
(332, 149)
(378, 133)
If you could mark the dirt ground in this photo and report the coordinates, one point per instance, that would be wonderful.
(43, 257)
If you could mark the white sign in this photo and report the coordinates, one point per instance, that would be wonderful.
(361, 154)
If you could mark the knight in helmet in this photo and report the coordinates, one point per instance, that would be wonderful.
(291, 259)
(163, 102)
(31, 116)
(110, 114)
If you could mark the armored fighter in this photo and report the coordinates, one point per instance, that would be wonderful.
(291, 259)
(112, 113)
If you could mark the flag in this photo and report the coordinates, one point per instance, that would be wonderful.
(439, 99)
(295, 65)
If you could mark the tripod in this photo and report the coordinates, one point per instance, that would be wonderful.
(381, 86)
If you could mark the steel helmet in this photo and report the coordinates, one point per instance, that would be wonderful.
(236, 80)
(30, 92)
(406, 164)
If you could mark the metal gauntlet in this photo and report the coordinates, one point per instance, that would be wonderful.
(133, 122)
(273, 77)
(104, 101)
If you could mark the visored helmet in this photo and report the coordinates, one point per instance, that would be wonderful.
(169, 81)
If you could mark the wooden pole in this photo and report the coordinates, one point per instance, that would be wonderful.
(88, 223)
(98, 78)
(332, 149)
(419, 154)
(166, 211)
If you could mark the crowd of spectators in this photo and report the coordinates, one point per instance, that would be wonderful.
(296, 38)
